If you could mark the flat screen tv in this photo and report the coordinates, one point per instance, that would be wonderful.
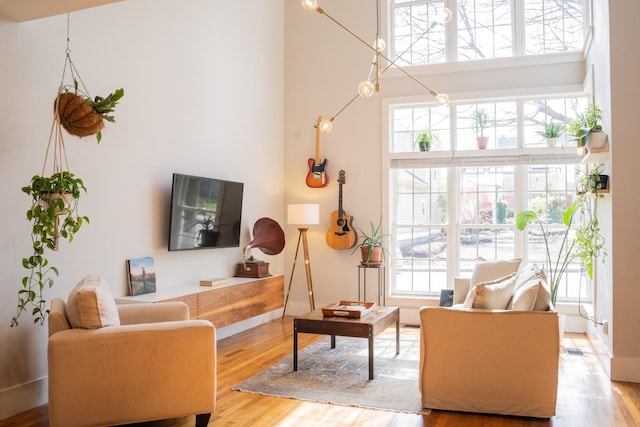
(205, 213)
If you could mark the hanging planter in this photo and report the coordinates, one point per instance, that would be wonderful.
(54, 196)
(82, 116)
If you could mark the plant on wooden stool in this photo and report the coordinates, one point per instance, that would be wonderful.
(372, 244)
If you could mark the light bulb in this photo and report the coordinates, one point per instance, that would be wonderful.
(309, 4)
(379, 44)
(325, 126)
(365, 89)
(442, 99)
(445, 16)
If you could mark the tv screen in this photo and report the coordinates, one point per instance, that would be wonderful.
(205, 213)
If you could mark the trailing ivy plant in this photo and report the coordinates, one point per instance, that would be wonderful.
(53, 214)
(589, 241)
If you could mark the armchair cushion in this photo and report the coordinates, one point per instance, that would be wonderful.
(494, 294)
(91, 305)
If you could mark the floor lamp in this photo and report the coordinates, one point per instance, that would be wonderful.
(302, 215)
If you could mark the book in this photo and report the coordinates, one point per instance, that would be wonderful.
(213, 282)
(141, 274)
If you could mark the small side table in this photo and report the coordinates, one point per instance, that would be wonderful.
(362, 273)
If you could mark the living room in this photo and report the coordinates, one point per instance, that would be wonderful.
(194, 73)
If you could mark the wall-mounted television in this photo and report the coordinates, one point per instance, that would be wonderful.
(205, 213)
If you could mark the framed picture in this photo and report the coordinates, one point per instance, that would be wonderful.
(141, 275)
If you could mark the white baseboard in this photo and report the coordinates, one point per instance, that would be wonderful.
(21, 398)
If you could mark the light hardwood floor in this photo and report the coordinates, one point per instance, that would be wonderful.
(586, 397)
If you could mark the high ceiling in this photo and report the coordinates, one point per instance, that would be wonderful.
(26, 10)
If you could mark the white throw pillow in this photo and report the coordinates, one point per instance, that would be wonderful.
(485, 271)
(91, 305)
(525, 297)
(493, 295)
(530, 273)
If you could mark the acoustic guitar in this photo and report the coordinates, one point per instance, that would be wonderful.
(317, 176)
(341, 235)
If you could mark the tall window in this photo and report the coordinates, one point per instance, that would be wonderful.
(484, 29)
(457, 203)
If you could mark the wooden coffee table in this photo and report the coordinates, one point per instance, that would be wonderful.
(367, 326)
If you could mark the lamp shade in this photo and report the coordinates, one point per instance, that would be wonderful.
(303, 214)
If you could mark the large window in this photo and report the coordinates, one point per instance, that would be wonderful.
(457, 203)
(484, 29)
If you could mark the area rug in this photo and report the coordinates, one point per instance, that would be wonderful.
(341, 375)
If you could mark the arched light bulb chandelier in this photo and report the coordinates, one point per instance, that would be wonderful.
(372, 84)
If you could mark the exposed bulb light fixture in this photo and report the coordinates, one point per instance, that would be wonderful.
(326, 125)
(310, 4)
(367, 87)
(445, 15)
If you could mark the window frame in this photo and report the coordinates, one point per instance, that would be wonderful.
(520, 158)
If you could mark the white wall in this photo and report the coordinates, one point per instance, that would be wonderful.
(204, 94)
(623, 291)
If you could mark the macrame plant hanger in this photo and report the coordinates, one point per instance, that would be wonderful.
(55, 146)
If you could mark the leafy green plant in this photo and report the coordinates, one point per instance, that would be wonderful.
(424, 139)
(590, 243)
(586, 123)
(374, 238)
(557, 263)
(53, 214)
(551, 130)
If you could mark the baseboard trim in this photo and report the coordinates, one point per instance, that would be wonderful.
(625, 369)
(20, 398)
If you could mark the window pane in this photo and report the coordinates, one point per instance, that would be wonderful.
(415, 39)
(420, 230)
(497, 121)
(409, 121)
(553, 26)
(559, 111)
(484, 29)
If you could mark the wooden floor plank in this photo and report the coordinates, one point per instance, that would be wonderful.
(586, 397)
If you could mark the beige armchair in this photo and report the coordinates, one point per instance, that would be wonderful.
(156, 364)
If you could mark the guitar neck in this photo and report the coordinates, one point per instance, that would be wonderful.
(317, 158)
(340, 202)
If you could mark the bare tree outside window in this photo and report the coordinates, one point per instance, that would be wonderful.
(484, 29)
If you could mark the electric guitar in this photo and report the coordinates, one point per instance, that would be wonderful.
(341, 235)
(317, 176)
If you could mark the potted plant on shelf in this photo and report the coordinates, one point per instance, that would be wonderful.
(592, 180)
(82, 116)
(372, 245)
(551, 133)
(587, 130)
(53, 214)
(424, 139)
(557, 263)
(481, 121)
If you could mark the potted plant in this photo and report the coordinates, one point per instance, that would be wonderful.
(587, 130)
(82, 116)
(207, 233)
(424, 139)
(557, 263)
(592, 180)
(481, 121)
(372, 245)
(551, 133)
(53, 214)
